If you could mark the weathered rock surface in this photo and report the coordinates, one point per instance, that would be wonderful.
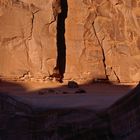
(27, 38)
(88, 40)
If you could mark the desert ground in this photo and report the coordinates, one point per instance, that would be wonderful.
(58, 95)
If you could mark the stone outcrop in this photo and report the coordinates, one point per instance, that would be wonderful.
(83, 39)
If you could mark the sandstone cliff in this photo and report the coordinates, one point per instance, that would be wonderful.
(83, 39)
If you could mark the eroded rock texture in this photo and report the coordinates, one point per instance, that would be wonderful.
(105, 39)
(28, 37)
(89, 39)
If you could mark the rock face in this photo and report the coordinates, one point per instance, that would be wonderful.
(88, 40)
(27, 38)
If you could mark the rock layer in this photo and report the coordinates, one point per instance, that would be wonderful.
(88, 40)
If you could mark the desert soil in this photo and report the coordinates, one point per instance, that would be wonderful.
(52, 95)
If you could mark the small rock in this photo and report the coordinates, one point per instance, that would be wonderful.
(56, 76)
(64, 92)
(41, 92)
(72, 84)
(51, 91)
(80, 91)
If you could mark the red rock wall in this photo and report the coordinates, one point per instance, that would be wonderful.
(100, 39)
(27, 38)
(103, 39)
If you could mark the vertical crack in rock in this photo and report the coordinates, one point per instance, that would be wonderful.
(59, 70)
(32, 26)
(29, 38)
(116, 76)
(93, 48)
(102, 51)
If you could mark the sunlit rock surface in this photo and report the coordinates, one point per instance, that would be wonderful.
(88, 40)
(27, 38)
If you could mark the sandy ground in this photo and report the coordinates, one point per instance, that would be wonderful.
(52, 95)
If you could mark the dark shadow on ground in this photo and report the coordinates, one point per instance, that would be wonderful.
(93, 96)
(11, 86)
(63, 113)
